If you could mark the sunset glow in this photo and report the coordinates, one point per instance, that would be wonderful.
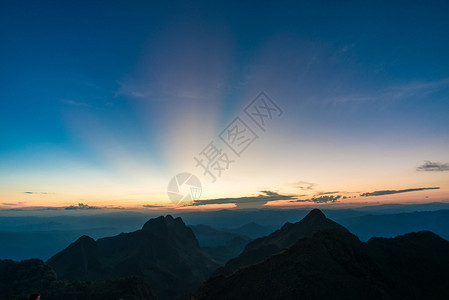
(107, 118)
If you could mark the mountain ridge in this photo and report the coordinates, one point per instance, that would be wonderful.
(335, 264)
(165, 253)
(20, 279)
(262, 248)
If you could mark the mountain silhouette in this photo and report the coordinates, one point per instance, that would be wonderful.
(18, 280)
(219, 244)
(335, 264)
(315, 258)
(224, 253)
(262, 248)
(252, 230)
(211, 237)
(165, 253)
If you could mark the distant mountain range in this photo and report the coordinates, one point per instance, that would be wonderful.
(24, 237)
(251, 230)
(391, 225)
(219, 245)
(211, 237)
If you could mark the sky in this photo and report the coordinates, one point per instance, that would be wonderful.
(104, 103)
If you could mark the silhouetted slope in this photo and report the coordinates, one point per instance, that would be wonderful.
(252, 230)
(262, 248)
(414, 265)
(165, 253)
(391, 225)
(83, 263)
(24, 277)
(20, 279)
(335, 264)
(290, 233)
(231, 249)
(211, 237)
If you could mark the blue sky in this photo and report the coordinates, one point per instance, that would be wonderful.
(104, 101)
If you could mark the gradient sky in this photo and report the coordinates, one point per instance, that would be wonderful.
(103, 102)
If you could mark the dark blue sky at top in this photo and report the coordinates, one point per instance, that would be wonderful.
(56, 53)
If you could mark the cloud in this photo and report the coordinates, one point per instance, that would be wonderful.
(74, 103)
(32, 208)
(14, 204)
(326, 199)
(389, 192)
(327, 193)
(398, 92)
(346, 48)
(321, 199)
(154, 206)
(430, 166)
(259, 200)
(81, 206)
(304, 186)
(40, 193)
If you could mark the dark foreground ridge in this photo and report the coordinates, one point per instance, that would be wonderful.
(164, 253)
(18, 280)
(262, 248)
(335, 264)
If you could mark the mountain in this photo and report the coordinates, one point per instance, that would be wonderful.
(41, 235)
(211, 237)
(290, 233)
(42, 244)
(165, 253)
(252, 230)
(403, 208)
(391, 225)
(18, 280)
(335, 264)
(219, 244)
(226, 219)
(231, 249)
(262, 248)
